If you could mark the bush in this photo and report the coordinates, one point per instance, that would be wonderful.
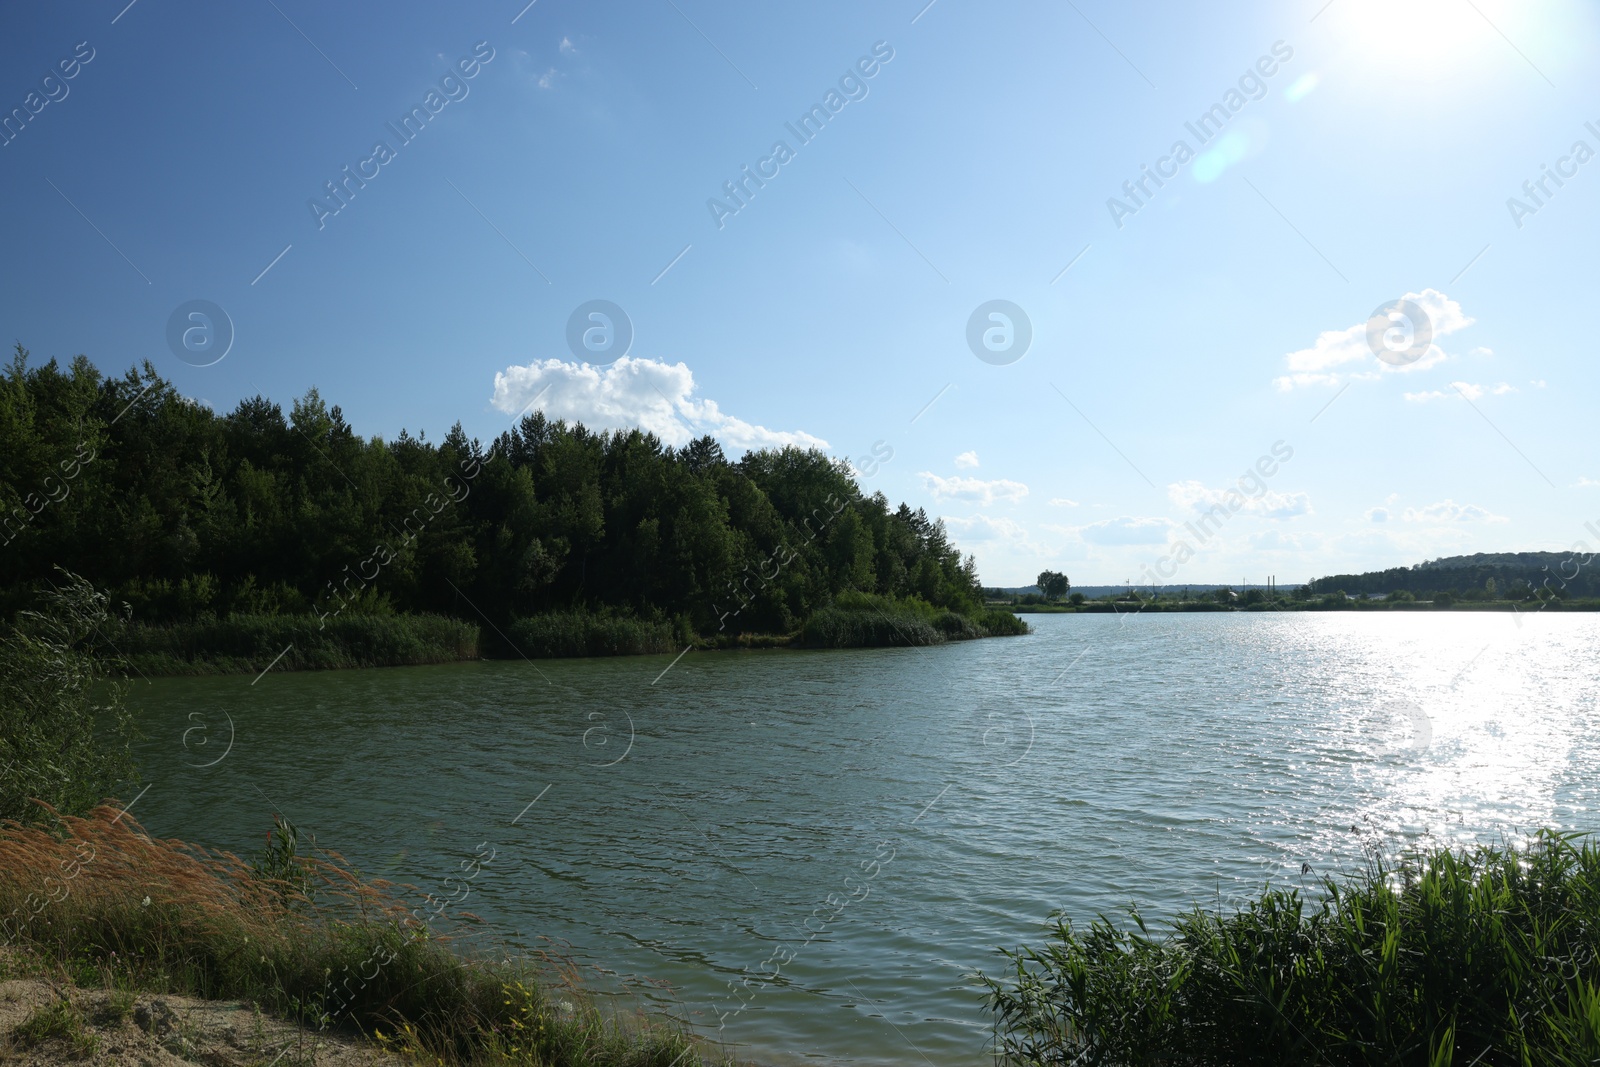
(1486, 957)
(64, 727)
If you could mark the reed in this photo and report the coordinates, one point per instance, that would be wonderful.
(861, 620)
(1488, 957)
(247, 643)
(604, 632)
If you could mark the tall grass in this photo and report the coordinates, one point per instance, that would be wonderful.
(247, 643)
(303, 936)
(594, 633)
(1486, 957)
(861, 620)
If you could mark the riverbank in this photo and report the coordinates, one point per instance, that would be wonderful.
(251, 644)
(135, 950)
(47, 1019)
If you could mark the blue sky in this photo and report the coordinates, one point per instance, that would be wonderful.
(1177, 337)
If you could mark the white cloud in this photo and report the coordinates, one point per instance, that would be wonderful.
(1537, 383)
(1450, 511)
(1265, 503)
(1336, 348)
(1127, 530)
(1062, 502)
(974, 489)
(1585, 482)
(567, 47)
(1459, 389)
(632, 394)
(966, 460)
(986, 528)
(1377, 514)
(548, 78)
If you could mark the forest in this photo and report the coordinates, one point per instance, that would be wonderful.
(232, 531)
(1481, 576)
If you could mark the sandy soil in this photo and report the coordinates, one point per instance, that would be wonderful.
(164, 1031)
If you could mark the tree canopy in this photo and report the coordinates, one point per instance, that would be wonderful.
(181, 512)
(1053, 584)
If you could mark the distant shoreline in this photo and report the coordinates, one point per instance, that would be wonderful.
(1132, 607)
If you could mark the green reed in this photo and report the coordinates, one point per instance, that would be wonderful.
(1484, 957)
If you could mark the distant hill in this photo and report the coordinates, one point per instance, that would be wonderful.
(1095, 591)
(1511, 572)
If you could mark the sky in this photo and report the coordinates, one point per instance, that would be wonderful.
(1134, 291)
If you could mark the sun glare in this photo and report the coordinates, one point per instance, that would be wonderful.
(1415, 40)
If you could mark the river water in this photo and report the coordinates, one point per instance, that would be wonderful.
(872, 825)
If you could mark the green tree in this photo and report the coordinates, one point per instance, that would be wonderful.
(1053, 584)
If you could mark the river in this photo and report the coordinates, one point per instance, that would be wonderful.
(873, 824)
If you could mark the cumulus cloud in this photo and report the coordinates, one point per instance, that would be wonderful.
(1461, 389)
(986, 528)
(548, 78)
(567, 47)
(1265, 503)
(1062, 502)
(631, 394)
(1334, 349)
(974, 489)
(1127, 530)
(1585, 482)
(1377, 514)
(1450, 511)
(966, 460)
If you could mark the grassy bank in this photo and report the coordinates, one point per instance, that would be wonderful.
(857, 620)
(97, 902)
(1489, 958)
(593, 633)
(245, 644)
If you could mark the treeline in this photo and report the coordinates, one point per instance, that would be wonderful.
(1483, 576)
(183, 514)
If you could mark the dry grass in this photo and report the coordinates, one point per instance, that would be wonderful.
(113, 907)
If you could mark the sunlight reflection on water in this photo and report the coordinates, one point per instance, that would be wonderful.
(1164, 759)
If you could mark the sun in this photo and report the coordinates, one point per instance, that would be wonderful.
(1415, 40)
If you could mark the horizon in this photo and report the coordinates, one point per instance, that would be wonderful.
(1337, 331)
